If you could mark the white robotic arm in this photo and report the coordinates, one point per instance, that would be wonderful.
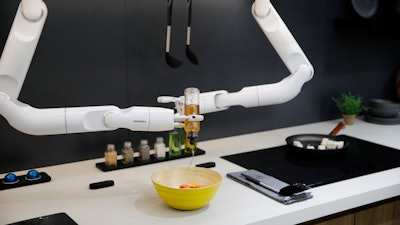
(14, 64)
(52, 121)
(21, 45)
(268, 94)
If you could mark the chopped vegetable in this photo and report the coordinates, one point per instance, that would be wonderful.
(326, 144)
(182, 186)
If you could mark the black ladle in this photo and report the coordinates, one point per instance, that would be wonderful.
(171, 60)
(189, 53)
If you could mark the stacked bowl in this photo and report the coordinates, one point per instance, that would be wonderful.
(383, 111)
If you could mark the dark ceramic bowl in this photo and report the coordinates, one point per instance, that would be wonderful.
(383, 108)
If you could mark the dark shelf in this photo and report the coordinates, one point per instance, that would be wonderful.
(152, 160)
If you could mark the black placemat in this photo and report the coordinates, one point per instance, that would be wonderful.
(361, 158)
(54, 219)
(44, 177)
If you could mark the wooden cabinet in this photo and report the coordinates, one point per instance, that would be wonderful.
(342, 220)
(384, 213)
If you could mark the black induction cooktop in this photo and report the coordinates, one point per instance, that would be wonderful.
(360, 158)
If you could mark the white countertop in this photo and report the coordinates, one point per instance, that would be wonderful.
(133, 199)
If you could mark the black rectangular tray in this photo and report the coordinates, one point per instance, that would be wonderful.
(54, 219)
(44, 177)
(152, 160)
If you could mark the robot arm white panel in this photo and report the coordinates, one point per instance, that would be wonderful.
(138, 118)
(30, 120)
(52, 121)
(268, 94)
(20, 46)
(281, 39)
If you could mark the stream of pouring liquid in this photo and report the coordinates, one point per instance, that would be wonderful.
(192, 148)
(192, 158)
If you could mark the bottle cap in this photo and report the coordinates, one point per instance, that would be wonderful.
(127, 144)
(110, 147)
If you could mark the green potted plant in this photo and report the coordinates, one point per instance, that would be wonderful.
(349, 105)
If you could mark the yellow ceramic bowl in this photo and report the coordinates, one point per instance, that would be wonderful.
(167, 183)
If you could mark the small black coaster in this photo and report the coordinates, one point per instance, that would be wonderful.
(152, 160)
(44, 177)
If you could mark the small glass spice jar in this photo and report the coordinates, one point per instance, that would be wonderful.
(127, 153)
(159, 148)
(144, 150)
(110, 156)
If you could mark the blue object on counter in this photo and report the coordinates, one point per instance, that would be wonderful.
(10, 178)
(32, 175)
(31, 178)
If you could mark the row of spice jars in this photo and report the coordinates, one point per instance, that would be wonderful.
(128, 154)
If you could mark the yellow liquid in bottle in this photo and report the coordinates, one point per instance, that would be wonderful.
(189, 146)
(191, 126)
